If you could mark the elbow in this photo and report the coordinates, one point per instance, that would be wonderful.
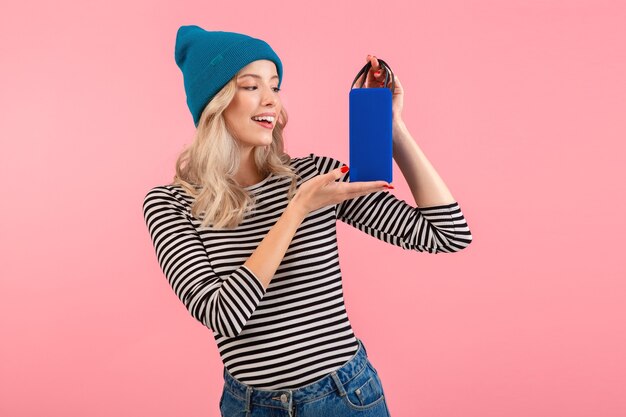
(227, 334)
(460, 242)
(464, 239)
(224, 327)
(225, 324)
(457, 243)
(228, 311)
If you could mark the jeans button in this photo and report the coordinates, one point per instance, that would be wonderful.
(283, 398)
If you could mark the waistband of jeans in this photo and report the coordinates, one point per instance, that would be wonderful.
(320, 388)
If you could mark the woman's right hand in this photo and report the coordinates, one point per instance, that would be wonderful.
(323, 190)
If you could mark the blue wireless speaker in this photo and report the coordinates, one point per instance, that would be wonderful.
(371, 151)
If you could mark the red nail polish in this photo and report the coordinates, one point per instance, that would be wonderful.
(389, 186)
(344, 168)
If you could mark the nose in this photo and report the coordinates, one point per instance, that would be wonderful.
(270, 96)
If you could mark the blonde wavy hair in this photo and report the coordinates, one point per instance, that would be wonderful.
(206, 168)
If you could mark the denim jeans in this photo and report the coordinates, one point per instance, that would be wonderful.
(355, 389)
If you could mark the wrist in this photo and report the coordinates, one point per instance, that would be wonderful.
(397, 127)
(397, 122)
(296, 209)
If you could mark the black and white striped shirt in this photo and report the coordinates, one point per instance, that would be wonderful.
(297, 330)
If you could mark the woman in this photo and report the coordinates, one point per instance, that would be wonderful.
(245, 235)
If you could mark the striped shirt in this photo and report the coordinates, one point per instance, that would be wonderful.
(297, 330)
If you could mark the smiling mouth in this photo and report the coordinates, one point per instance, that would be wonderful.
(264, 124)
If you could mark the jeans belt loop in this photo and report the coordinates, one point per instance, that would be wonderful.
(248, 399)
(340, 387)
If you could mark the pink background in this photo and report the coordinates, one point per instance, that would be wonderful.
(519, 105)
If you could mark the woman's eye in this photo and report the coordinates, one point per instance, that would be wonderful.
(276, 89)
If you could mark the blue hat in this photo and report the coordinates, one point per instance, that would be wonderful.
(209, 60)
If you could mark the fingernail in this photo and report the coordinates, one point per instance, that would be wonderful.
(389, 186)
(377, 73)
(344, 168)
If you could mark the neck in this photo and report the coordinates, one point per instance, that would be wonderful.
(248, 173)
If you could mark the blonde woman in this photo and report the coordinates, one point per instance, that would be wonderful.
(245, 235)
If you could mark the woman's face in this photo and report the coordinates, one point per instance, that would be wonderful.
(256, 93)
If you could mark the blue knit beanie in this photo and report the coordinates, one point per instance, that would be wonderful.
(209, 60)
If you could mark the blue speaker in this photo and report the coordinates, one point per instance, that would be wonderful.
(371, 151)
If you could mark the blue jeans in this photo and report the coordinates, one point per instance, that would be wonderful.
(355, 389)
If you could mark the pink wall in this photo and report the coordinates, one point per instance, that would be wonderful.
(519, 105)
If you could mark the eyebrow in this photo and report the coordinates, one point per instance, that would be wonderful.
(255, 76)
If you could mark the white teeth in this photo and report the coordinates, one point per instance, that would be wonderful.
(266, 118)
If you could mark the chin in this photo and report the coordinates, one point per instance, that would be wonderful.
(268, 141)
(264, 140)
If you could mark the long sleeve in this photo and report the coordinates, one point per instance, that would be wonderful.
(432, 229)
(221, 304)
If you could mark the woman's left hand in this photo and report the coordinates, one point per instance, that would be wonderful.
(374, 81)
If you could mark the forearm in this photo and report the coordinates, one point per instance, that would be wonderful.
(266, 258)
(426, 185)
